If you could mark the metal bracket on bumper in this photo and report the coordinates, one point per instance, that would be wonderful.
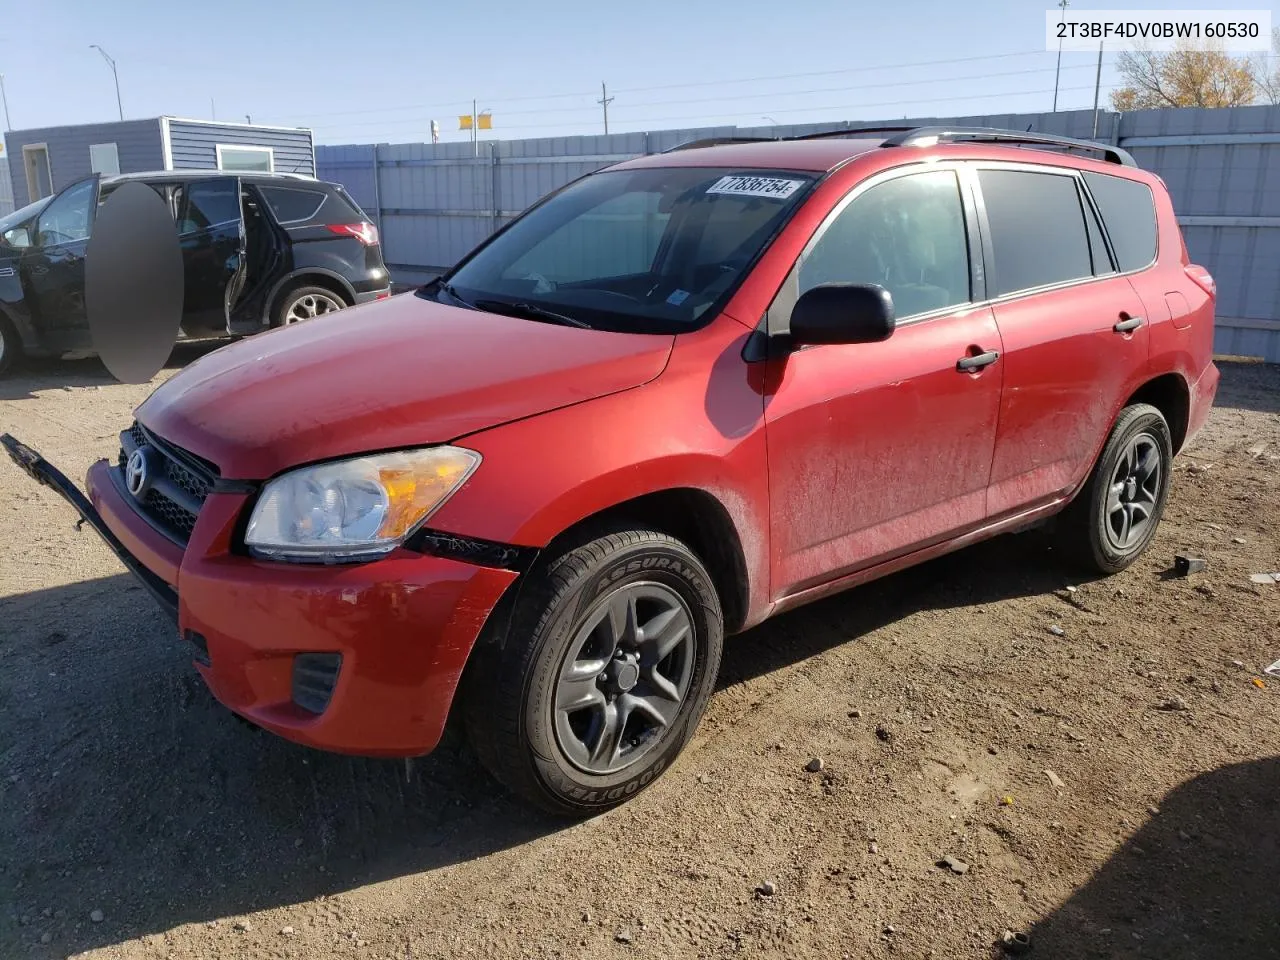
(45, 473)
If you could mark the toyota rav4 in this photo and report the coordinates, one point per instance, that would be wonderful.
(676, 397)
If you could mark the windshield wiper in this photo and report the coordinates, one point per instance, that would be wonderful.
(530, 311)
(452, 291)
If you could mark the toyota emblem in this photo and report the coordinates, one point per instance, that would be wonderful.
(137, 476)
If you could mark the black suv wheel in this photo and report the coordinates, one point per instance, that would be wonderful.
(302, 303)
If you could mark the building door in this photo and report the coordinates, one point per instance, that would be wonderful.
(35, 159)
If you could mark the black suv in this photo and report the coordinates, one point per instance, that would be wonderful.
(258, 250)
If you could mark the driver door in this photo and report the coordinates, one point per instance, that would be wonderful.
(878, 449)
(212, 239)
(51, 269)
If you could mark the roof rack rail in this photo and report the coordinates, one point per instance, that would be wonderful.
(930, 135)
(852, 132)
(716, 142)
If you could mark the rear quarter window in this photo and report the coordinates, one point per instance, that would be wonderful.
(1038, 232)
(1128, 211)
(290, 204)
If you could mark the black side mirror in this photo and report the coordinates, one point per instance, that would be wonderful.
(842, 313)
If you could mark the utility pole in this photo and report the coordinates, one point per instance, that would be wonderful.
(1097, 87)
(604, 102)
(5, 98)
(213, 111)
(475, 124)
(248, 119)
(107, 57)
(1057, 73)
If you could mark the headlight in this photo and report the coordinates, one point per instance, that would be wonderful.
(354, 509)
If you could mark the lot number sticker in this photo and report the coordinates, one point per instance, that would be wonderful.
(771, 187)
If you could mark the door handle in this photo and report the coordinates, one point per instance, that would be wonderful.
(1127, 323)
(978, 362)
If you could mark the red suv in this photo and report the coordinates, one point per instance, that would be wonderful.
(674, 398)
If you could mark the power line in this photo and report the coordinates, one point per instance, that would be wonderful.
(674, 86)
(823, 73)
(820, 109)
(832, 108)
(739, 96)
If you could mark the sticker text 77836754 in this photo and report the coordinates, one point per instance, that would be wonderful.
(774, 188)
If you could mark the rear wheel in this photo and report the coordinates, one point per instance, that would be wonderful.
(305, 303)
(609, 661)
(1114, 518)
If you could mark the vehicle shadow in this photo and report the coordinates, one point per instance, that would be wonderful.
(1249, 385)
(1197, 881)
(125, 787)
(32, 375)
(1018, 565)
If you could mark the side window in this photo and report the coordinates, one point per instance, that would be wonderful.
(906, 234)
(1129, 213)
(291, 205)
(67, 217)
(1038, 231)
(618, 238)
(207, 204)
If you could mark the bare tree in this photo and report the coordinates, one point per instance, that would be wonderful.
(1266, 70)
(1186, 77)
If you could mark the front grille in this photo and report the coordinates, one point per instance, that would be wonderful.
(180, 484)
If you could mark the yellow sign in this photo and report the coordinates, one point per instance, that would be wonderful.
(464, 122)
(485, 122)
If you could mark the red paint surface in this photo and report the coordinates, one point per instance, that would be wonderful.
(834, 464)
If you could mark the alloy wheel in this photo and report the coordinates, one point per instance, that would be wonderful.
(309, 306)
(625, 678)
(1134, 492)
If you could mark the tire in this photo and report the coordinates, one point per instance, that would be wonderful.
(297, 304)
(519, 705)
(1092, 531)
(10, 347)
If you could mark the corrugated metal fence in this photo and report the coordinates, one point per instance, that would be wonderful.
(434, 202)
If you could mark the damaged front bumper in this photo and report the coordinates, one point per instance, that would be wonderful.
(45, 473)
(354, 658)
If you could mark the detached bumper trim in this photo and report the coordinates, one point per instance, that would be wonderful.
(45, 473)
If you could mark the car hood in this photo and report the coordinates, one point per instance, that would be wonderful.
(394, 373)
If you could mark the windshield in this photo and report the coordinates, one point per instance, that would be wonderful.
(646, 251)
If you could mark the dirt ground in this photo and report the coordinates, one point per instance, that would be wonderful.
(1114, 791)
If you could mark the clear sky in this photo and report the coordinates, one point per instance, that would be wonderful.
(381, 70)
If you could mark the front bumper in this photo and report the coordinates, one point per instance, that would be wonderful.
(403, 626)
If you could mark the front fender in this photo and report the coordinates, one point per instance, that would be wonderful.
(700, 425)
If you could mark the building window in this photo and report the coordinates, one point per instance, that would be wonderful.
(104, 158)
(241, 159)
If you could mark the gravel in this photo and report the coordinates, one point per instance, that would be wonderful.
(169, 815)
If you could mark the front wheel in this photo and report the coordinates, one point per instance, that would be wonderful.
(1114, 518)
(608, 663)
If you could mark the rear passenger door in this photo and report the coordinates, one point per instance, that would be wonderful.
(1075, 331)
(211, 236)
